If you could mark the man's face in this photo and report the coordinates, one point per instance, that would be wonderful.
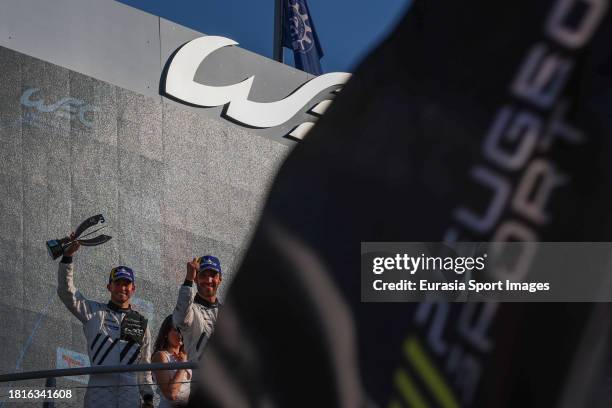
(121, 290)
(208, 282)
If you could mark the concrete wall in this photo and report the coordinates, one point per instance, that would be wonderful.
(115, 43)
(172, 184)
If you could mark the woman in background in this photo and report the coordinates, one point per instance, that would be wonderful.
(173, 384)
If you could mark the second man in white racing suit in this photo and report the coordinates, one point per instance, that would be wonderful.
(196, 315)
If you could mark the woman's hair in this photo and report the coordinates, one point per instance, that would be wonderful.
(161, 342)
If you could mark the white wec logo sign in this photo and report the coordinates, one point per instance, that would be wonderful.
(181, 85)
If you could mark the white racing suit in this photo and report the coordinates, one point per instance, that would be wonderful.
(102, 328)
(196, 318)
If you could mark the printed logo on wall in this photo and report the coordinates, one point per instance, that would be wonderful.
(69, 108)
(71, 359)
(180, 84)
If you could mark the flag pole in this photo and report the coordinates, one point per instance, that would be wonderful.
(278, 31)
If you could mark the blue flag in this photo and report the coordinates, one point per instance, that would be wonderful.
(300, 36)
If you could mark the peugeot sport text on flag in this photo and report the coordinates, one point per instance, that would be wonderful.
(473, 122)
(300, 36)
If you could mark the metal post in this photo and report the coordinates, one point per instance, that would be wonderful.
(50, 383)
(278, 31)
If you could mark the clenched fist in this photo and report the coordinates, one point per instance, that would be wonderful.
(192, 269)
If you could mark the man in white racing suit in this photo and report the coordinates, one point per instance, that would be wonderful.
(195, 316)
(116, 334)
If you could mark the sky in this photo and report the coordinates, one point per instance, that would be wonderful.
(347, 29)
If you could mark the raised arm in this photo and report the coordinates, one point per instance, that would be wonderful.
(78, 305)
(183, 313)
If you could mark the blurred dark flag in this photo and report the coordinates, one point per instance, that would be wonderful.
(486, 121)
(300, 36)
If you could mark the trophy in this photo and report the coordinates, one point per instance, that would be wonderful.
(56, 247)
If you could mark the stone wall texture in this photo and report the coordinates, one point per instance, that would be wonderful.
(171, 183)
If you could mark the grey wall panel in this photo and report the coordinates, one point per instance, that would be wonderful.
(14, 336)
(140, 117)
(172, 183)
(12, 282)
(103, 38)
